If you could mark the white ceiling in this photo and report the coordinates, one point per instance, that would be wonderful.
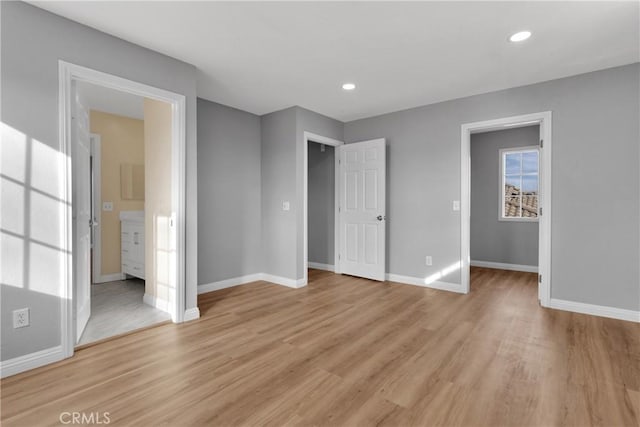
(262, 56)
(112, 101)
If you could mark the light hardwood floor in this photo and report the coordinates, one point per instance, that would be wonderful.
(348, 351)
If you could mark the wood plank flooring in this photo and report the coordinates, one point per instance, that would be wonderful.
(346, 352)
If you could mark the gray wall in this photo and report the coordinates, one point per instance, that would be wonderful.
(33, 41)
(509, 242)
(595, 204)
(278, 158)
(282, 148)
(321, 203)
(229, 193)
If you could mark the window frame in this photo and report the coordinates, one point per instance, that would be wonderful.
(501, 182)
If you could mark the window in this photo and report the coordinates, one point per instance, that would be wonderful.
(519, 169)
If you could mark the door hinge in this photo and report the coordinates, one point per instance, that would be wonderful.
(540, 214)
(338, 256)
(539, 278)
(541, 142)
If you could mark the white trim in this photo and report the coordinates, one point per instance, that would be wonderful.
(308, 136)
(505, 266)
(191, 314)
(320, 266)
(67, 74)
(416, 281)
(229, 283)
(284, 281)
(153, 301)
(96, 172)
(595, 310)
(31, 361)
(104, 278)
(544, 202)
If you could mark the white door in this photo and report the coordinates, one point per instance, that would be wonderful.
(362, 208)
(81, 146)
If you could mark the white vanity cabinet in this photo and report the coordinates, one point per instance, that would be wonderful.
(132, 243)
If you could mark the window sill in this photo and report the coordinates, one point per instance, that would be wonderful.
(502, 219)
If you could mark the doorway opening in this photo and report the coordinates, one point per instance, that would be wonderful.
(359, 207)
(122, 128)
(506, 197)
(320, 206)
(159, 239)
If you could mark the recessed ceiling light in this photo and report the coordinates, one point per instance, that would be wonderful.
(348, 86)
(520, 36)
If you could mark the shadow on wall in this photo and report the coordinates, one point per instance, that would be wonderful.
(32, 225)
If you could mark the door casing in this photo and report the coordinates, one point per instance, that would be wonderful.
(67, 74)
(544, 220)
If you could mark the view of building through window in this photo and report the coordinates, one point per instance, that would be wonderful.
(519, 170)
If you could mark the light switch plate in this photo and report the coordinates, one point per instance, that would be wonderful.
(456, 205)
(107, 206)
(286, 206)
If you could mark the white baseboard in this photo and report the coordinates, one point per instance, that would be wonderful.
(114, 277)
(191, 314)
(595, 310)
(416, 281)
(30, 361)
(158, 303)
(243, 280)
(320, 266)
(284, 281)
(504, 266)
(228, 283)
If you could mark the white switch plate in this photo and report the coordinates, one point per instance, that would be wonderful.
(286, 206)
(107, 206)
(428, 260)
(20, 318)
(456, 205)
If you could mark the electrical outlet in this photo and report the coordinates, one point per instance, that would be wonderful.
(20, 318)
(456, 205)
(286, 206)
(107, 206)
(428, 260)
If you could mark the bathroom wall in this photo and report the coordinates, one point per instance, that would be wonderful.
(122, 141)
(157, 176)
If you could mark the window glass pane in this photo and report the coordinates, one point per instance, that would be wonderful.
(530, 206)
(512, 163)
(530, 184)
(511, 207)
(530, 162)
(511, 186)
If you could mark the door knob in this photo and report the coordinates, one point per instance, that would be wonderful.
(381, 218)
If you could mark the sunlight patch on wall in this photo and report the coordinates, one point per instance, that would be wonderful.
(13, 153)
(442, 273)
(11, 270)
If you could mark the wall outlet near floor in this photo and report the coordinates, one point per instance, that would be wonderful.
(20, 318)
(428, 260)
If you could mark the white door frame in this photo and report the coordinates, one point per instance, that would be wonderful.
(544, 246)
(67, 74)
(96, 156)
(308, 136)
